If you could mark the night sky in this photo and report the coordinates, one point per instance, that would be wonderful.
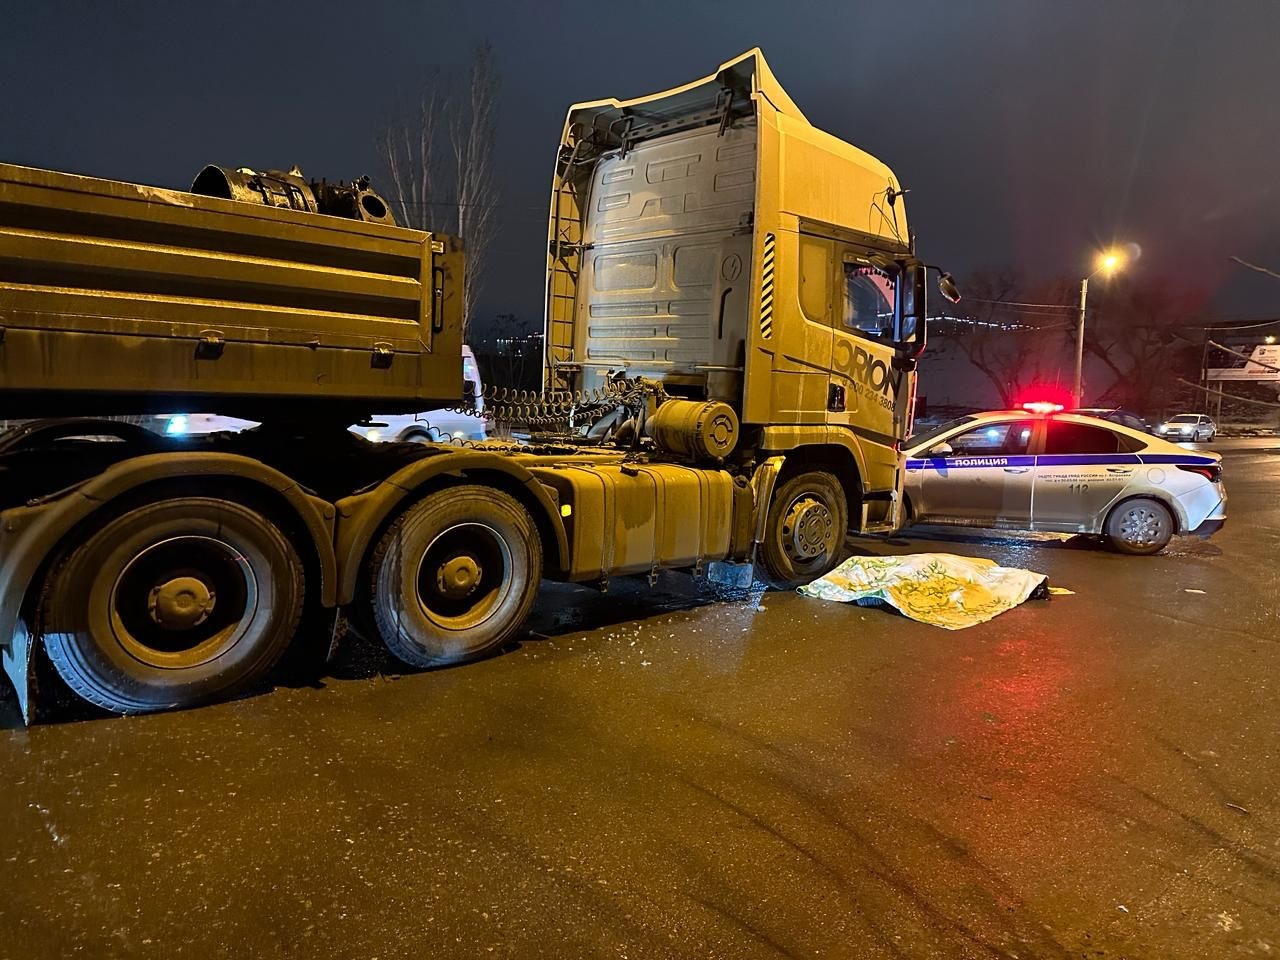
(1029, 132)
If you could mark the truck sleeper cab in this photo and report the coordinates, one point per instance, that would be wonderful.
(709, 237)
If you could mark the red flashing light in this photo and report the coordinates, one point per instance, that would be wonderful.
(1042, 406)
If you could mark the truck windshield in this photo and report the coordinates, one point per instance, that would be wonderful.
(919, 439)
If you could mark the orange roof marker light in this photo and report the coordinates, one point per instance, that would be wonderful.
(1042, 406)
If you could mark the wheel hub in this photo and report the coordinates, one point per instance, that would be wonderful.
(1141, 526)
(458, 577)
(181, 603)
(807, 530)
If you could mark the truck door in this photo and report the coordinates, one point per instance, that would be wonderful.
(865, 388)
(986, 480)
(866, 393)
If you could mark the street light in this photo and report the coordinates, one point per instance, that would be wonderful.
(1106, 263)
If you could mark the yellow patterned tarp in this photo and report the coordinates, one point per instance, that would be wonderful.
(937, 588)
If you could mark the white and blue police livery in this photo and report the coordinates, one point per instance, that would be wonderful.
(1040, 469)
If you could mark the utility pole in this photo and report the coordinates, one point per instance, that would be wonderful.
(1077, 398)
(1108, 262)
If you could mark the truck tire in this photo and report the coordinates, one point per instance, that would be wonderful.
(1140, 526)
(172, 604)
(455, 576)
(805, 530)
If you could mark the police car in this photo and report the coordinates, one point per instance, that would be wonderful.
(1041, 469)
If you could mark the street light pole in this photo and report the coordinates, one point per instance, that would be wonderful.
(1077, 391)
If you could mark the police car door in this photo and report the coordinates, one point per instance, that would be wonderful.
(985, 480)
(1082, 469)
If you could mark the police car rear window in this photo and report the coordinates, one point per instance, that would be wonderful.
(1081, 438)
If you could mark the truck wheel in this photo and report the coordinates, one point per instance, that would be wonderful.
(455, 576)
(808, 519)
(172, 604)
(1140, 526)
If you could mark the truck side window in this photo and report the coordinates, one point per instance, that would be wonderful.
(815, 278)
(868, 300)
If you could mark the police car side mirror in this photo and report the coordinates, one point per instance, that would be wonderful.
(941, 450)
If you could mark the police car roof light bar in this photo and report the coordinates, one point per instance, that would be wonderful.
(1042, 406)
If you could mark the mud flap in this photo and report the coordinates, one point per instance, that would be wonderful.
(18, 663)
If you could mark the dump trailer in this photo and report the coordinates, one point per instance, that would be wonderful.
(734, 311)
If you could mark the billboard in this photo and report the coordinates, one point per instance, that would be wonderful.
(1253, 360)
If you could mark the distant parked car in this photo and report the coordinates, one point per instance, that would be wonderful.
(1188, 427)
(1126, 418)
(1039, 469)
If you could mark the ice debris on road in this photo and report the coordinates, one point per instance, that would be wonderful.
(937, 588)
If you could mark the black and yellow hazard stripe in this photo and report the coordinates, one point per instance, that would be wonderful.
(766, 288)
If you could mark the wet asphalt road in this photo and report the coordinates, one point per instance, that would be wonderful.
(651, 775)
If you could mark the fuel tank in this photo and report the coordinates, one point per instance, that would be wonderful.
(626, 519)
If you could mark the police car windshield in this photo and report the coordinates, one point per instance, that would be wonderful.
(918, 439)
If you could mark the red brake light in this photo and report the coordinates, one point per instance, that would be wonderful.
(1042, 406)
(1211, 472)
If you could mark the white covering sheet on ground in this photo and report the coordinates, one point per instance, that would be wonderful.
(937, 588)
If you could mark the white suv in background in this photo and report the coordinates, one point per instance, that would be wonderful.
(435, 425)
(1188, 428)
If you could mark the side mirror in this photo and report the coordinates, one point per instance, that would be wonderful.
(947, 287)
(909, 322)
(941, 450)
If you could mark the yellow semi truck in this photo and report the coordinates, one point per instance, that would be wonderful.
(734, 308)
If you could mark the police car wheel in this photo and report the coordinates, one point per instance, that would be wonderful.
(1141, 527)
(807, 523)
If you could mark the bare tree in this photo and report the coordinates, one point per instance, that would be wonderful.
(409, 153)
(1139, 330)
(471, 134)
(440, 165)
(1004, 334)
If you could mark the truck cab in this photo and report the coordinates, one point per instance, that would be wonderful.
(711, 238)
